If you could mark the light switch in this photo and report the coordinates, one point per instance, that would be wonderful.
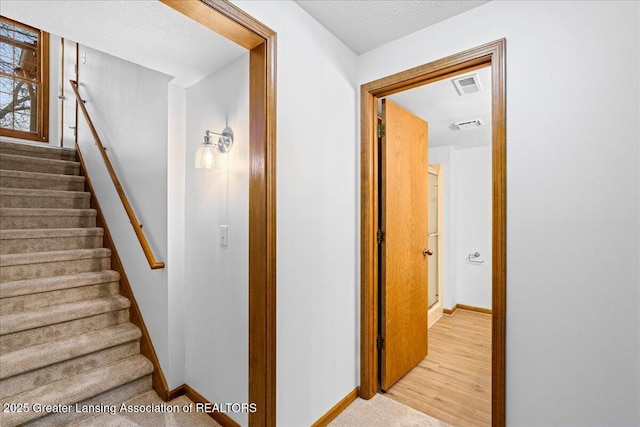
(224, 235)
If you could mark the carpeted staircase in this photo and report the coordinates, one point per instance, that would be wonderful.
(65, 335)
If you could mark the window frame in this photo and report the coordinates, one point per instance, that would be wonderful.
(42, 131)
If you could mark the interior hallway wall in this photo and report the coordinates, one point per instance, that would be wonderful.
(217, 277)
(467, 224)
(176, 166)
(572, 199)
(473, 193)
(317, 199)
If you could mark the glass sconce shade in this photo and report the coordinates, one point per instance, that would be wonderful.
(204, 156)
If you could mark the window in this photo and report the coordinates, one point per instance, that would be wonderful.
(24, 81)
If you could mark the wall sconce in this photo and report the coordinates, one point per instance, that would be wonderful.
(204, 155)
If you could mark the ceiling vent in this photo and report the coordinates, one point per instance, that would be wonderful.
(469, 124)
(467, 84)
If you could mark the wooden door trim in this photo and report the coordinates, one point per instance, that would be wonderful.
(494, 54)
(239, 27)
(438, 308)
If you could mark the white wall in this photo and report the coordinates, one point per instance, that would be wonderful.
(572, 199)
(217, 278)
(177, 128)
(473, 194)
(55, 85)
(466, 211)
(129, 105)
(317, 231)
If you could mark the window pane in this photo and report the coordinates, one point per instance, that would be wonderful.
(19, 58)
(18, 104)
(18, 51)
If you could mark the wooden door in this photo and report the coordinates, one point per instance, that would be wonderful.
(404, 324)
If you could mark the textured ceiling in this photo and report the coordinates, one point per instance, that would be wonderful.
(365, 25)
(153, 35)
(439, 104)
(148, 33)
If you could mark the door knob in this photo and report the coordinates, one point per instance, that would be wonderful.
(426, 252)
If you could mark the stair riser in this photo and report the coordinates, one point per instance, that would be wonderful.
(41, 184)
(23, 201)
(39, 377)
(35, 336)
(22, 246)
(26, 165)
(8, 222)
(112, 397)
(63, 296)
(57, 268)
(41, 154)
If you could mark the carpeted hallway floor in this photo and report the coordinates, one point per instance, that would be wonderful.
(157, 419)
(380, 411)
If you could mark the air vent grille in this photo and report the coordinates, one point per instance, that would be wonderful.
(468, 84)
(469, 124)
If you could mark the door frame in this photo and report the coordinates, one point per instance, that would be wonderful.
(438, 307)
(489, 54)
(239, 27)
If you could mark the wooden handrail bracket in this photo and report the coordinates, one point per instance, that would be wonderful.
(137, 228)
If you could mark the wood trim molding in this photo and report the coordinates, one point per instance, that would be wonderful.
(223, 23)
(220, 417)
(158, 380)
(337, 409)
(474, 308)
(233, 23)
(450, 311)
(457, 307)
(176, 392)
(489, 54)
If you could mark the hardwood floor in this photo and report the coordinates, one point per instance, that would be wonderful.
(453, 383)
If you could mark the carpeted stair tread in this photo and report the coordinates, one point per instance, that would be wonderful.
(21, 321)
(55, 283)
(36, 198)
(15, 241)
(7, 260)
(63, 296)
(42, 233)
(24, 266)
(37, 151)
(28, 359)
(37, 164)
(30, 218)
(58, 371)
(22, 179)
(46, 212)
(48, 333)
(78, 388)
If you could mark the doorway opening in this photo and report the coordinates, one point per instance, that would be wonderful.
(373, 292)
(234, 24)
